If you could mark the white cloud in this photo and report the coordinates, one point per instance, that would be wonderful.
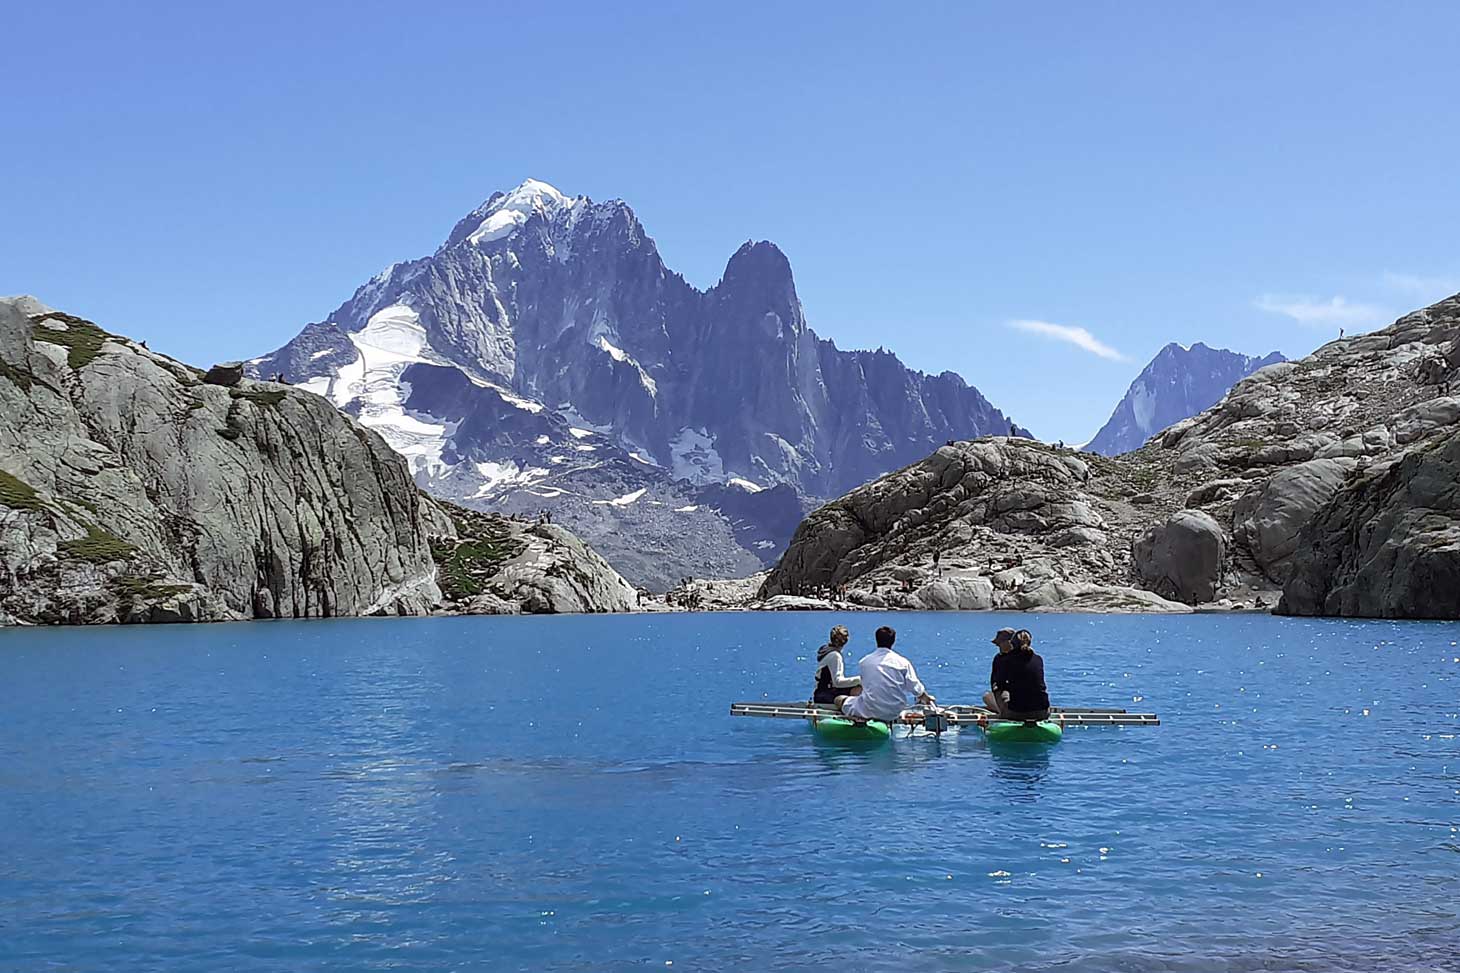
(1078, 337)
(1317, 312)
(1422, 286)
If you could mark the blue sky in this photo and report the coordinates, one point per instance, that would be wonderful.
(947, 180)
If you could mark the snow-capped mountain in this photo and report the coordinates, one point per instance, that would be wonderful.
(544, 357)
(1178, 383)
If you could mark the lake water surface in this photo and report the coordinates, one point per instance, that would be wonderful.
(570, 793)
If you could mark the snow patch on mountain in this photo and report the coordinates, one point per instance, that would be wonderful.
(614, 352)
(391, 340)
(695, 458)
(1143, 405)
(526, 405)
(619, 355)
(516, 208)
(495, 476)
(624, 500)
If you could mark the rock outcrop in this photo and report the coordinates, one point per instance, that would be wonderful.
(1181, 559)
(494, 565)
(134, 488)
(1387, 544)
(1000, 523)
(1328, 482)
(1268, 517)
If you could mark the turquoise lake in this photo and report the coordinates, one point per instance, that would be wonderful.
(571, 793)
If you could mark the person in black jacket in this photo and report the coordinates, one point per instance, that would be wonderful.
(1016, 681)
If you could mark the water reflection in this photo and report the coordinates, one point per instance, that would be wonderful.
(903, 753)
(383, 793)
(1020, 765)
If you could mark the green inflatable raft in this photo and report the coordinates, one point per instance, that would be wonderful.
(838, 730)
(1009, 731)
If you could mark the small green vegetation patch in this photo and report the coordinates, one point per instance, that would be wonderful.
(17, 494)
(465, 566)
(263, 398)
(81, 338)
(98, 547)
(149, 589)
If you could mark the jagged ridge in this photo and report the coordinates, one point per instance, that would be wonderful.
(561, 310)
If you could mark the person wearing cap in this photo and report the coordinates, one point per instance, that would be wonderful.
(887, 680)
(832, 682)
(1016, 681)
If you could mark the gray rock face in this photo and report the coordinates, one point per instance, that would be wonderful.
(1182, 559)
(1010, 522)
(1268, 519)
(956, 594)
(1117, 600)
(1178, 383)
(544, 357)
(138, 492)
(132, 490)
(1387, 544)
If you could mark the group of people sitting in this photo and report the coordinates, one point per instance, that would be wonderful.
(885, 679)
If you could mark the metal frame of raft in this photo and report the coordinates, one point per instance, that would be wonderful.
(828, 720)
(956, 715)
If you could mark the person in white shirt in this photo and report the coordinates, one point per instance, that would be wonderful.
(832, 681)
(887, 681)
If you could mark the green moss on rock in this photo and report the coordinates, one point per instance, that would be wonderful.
(17, 494)
(148, 589)
(466, 566)
(82, 339)
(98, 546)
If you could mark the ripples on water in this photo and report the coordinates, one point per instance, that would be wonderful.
(569, 793)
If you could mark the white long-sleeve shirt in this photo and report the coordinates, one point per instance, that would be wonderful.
(833, 663)
(887, 681)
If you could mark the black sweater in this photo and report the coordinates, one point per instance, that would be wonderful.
(1021, 675)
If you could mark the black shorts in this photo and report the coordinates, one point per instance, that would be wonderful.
(828, 697)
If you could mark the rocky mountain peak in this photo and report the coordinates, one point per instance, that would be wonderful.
(503, 214)
(593, 381)
(757, 287)
(757, 262)
(1179, 382)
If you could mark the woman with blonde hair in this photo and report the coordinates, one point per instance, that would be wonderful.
(1016, 682)
(832, 683)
